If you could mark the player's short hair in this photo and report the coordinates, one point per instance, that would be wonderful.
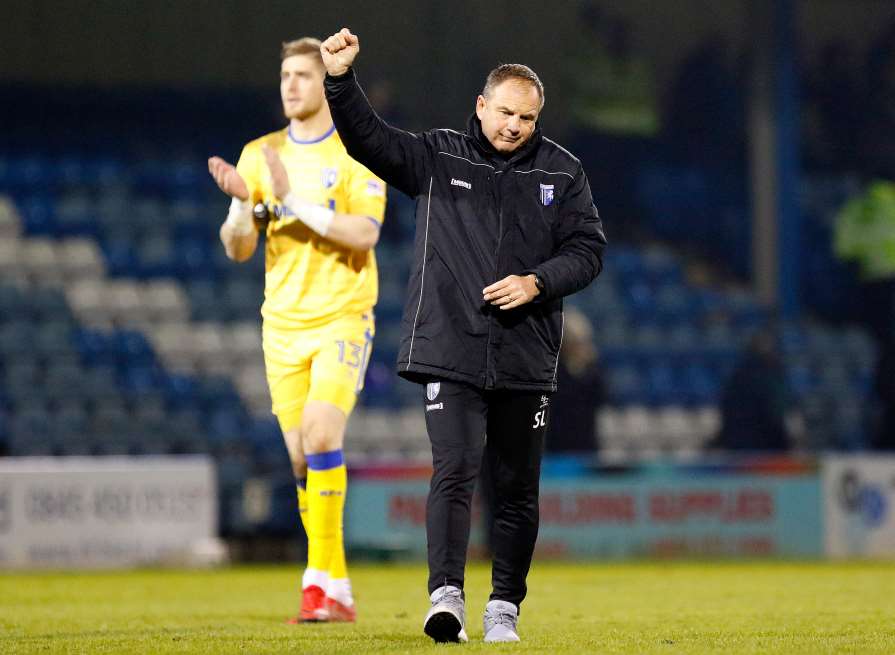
(307, 45)
(506, 72)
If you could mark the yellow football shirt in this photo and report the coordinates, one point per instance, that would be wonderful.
(310, 280)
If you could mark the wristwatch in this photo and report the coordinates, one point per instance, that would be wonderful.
(539, 283)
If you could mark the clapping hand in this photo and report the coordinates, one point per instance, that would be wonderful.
(227, 178)
(279, 178)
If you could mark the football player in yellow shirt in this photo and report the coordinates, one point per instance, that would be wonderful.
(325, 213)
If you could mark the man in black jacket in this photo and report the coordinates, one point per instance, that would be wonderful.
(506, 227)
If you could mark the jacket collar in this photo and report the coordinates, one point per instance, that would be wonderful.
(474, 130)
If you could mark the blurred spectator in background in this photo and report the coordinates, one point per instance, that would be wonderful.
(704, 112)
(884, 438)
(581, 390)
(865, 233)
(381, 94)
(834, 100)
(614, 108)
(615, 89)
(755, 400)
(878, 151)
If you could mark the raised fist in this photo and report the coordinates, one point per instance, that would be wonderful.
(339, 51)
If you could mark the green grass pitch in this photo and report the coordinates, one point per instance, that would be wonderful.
(760, 607)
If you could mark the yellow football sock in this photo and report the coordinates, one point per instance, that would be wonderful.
(338, 568)
(327, 481)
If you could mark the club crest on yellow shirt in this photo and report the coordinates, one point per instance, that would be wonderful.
(329, 177)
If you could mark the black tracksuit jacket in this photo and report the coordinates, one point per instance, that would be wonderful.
(480, 217)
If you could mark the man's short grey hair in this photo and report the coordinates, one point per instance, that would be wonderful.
(506, 72)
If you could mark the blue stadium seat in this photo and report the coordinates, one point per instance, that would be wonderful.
(184, 176)
(187, 223)
(225, 428)
(801, 379)
(121, 257)
(23, 386)
(672, 304)
(626, 386)
(49, 304)
(661, 267)
(65, 382)
(13, 304)
(205, 300)
(181, 391)
(31, 432)
(6, 172)
(26, 370)
(110, 209)
(133, 349)
(624, 261)
(69, 171)
(70, 427)
(53, 339)
(187, 434)
(649, 344)
(266, 441)
(30, 173)
(15, 339)
(94, 347)
(138, 380)
(662, 387)
(4, 427)
(216, 392)
(700, 385)
(147, 215)
(156, 257)
(38, 215)
(74, 216)
(640, 301)
(194, 259)
(242, 296)
(101, 385)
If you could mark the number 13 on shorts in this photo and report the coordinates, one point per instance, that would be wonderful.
(350, 353)
(356, 356)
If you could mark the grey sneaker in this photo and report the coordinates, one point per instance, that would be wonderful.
(500, 621)
(446, 619)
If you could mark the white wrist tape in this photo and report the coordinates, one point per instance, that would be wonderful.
(314, 216)
(240, 216)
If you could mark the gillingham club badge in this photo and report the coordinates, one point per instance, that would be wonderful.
(329, 177)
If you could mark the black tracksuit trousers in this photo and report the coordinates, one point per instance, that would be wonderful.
(508, 427)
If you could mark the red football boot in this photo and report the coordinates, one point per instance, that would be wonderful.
(313, 606)
(340, 613)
